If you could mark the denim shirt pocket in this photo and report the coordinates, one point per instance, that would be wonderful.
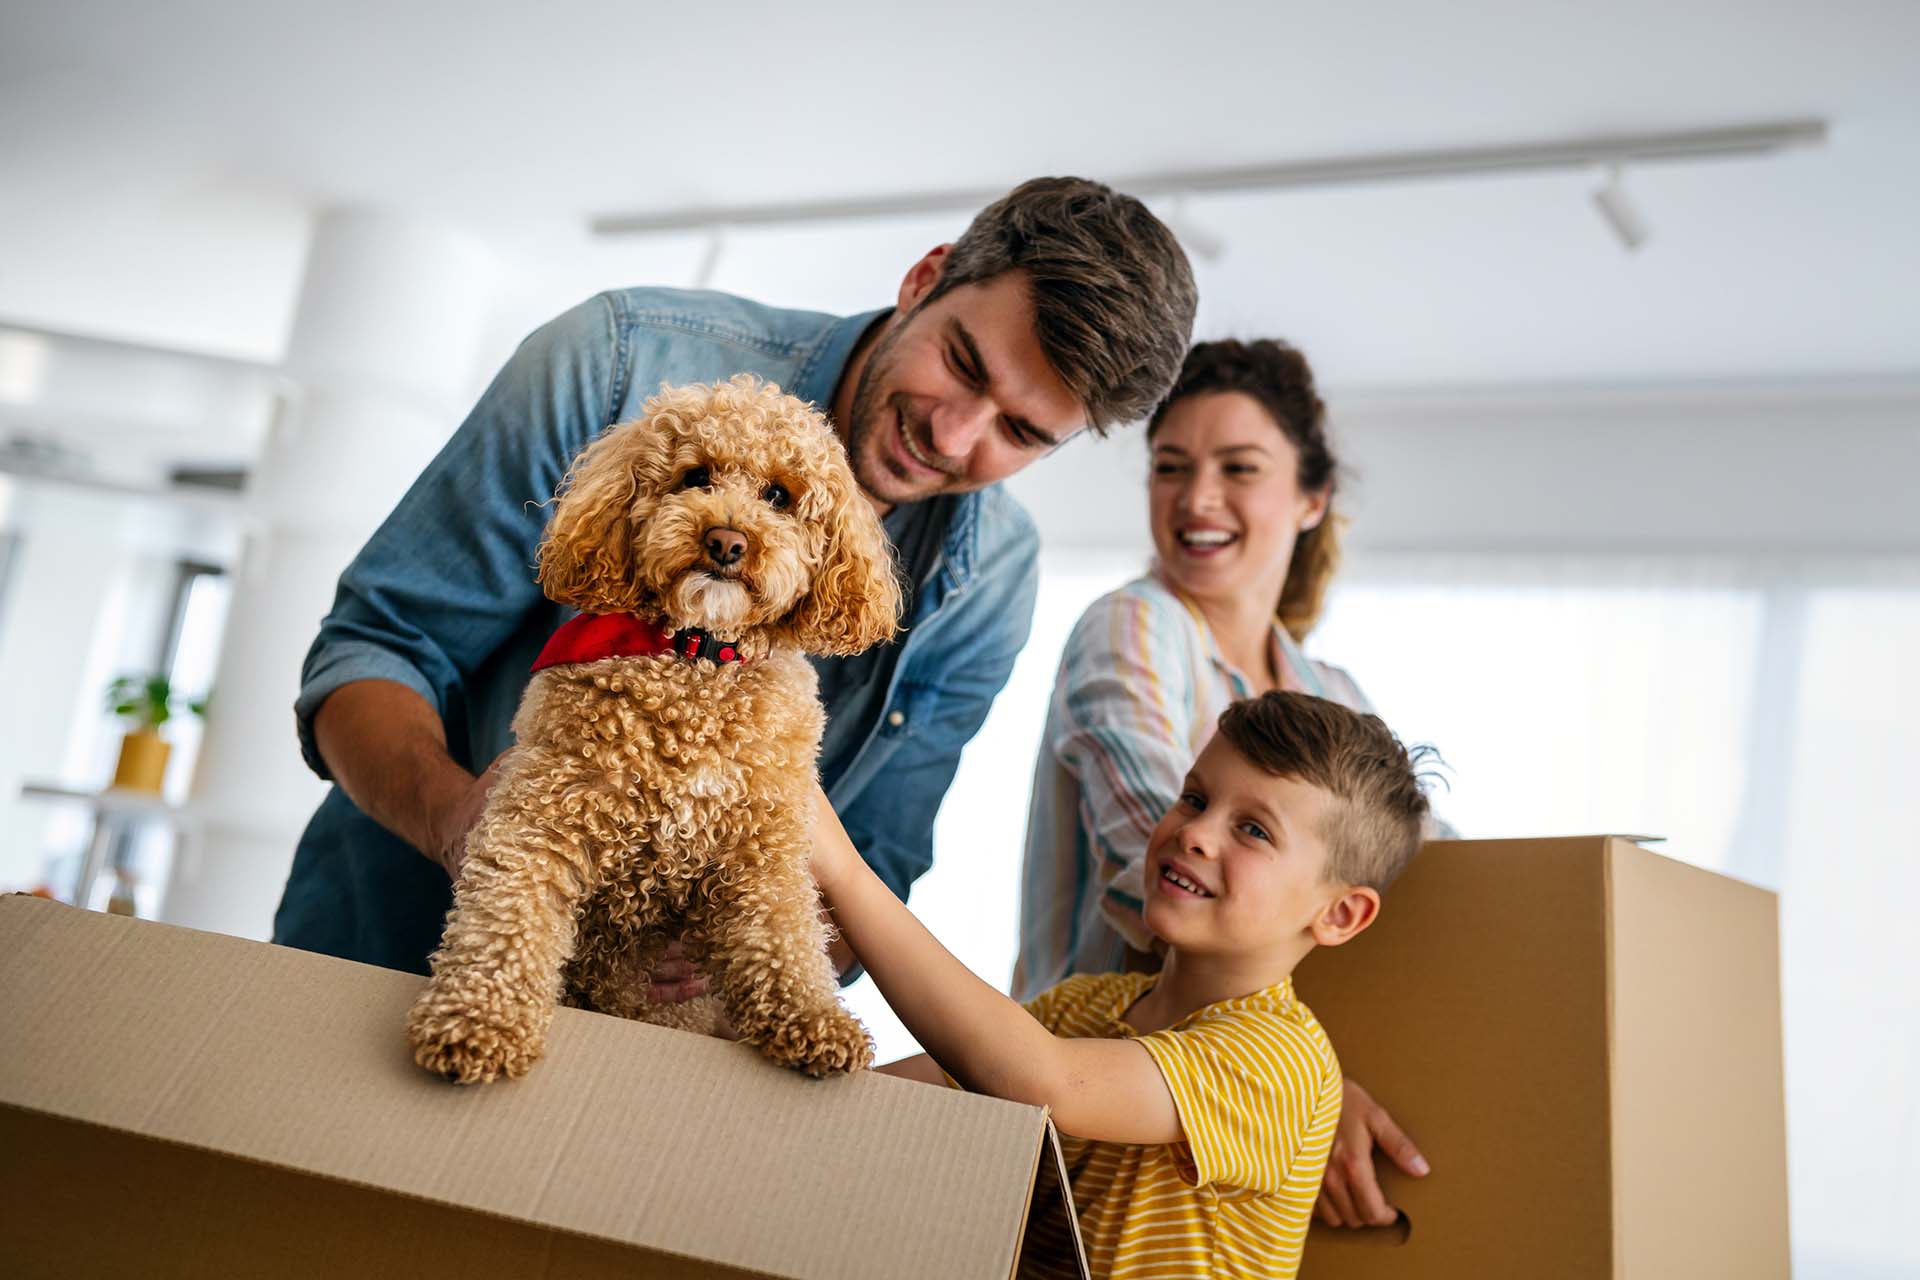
(911, 709)
(899, 725)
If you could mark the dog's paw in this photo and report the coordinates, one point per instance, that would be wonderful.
(832, 1043)
(468, 1050)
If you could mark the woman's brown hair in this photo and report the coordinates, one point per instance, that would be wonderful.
(1280, 380)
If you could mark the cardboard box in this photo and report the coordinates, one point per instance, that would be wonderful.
(175, 1103)
(1584, 1039)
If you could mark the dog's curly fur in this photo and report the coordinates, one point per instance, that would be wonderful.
(653, 797)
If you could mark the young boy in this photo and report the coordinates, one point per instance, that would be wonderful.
(1197, 1105)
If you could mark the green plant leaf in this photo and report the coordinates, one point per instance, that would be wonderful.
(146, 700)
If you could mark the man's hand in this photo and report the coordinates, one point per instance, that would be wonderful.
(386, 748)
(674, 979)
(1350, 1194)
(448, 840)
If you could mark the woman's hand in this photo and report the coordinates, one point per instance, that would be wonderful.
(1350, 1194)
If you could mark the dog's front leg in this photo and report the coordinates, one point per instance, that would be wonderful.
(497, 975)
(765, 952)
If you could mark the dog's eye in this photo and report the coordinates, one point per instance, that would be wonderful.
(696, 479)
(777, 496)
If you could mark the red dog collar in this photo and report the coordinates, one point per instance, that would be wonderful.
(591, 637)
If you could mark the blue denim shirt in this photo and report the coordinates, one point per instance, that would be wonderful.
(443, 599)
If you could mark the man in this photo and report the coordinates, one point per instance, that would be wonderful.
(1064, 307)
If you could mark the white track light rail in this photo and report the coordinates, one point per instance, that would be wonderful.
(1572, 153)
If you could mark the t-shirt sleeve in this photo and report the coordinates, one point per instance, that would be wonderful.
(1258, 1098)
(1341, 687)
(1127, 689)
(1050, 1006)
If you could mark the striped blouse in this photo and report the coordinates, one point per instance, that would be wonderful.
(1139, 687)
(1257, 1087)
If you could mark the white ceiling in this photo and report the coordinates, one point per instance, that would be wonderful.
(159, 163)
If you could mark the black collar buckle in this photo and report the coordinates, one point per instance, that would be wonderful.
(696, 642)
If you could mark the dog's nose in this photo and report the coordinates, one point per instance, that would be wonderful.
(725, 546)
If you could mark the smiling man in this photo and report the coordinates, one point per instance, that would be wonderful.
(1064, 307)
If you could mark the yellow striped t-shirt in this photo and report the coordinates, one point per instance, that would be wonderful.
(1258, 1091)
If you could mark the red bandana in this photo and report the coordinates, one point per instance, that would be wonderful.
(591, 637)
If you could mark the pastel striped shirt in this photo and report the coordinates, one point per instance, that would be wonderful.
(1257, 1086)
(1140, 685)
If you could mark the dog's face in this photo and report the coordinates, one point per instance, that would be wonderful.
(727, 507)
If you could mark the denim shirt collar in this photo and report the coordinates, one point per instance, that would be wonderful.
(819, 377)
(816, 382)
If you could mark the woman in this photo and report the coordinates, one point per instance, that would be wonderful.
(1246, 543)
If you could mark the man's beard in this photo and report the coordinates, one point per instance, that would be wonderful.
(873, 414)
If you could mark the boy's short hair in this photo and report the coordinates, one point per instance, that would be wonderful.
(1113, 294)
(1373, 826)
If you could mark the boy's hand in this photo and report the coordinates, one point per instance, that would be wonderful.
(1350, 1195)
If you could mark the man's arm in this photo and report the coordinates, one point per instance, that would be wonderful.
(387, 749)
(445, 581)
(1107, 1090)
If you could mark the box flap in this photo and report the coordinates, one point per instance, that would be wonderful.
(1052, 1231)
(628, 1133)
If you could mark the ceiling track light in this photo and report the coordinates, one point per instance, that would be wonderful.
(703, 275)
(1404, 166)
(1611, 198)
(1193, 235)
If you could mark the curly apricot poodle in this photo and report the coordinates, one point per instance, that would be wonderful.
(664, 751)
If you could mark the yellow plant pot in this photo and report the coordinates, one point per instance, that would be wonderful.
(143, 762)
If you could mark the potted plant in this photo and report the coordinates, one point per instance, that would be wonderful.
(148, 702)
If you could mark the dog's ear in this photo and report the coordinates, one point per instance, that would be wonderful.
(587, 555)
(854, 600)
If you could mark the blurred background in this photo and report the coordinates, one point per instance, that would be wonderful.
(1633, 438)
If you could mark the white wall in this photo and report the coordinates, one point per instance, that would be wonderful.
(1787, 469)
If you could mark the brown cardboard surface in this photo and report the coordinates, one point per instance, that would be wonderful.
(1699, 1121)
(281, 1078)
(1520, 1008)
(89, 1201)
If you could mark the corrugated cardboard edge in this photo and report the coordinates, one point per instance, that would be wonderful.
(1615, 1191)
(1066, 1190)
(1050, 1157)
(1700, 1212)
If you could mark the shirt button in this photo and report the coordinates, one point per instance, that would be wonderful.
(896, 718)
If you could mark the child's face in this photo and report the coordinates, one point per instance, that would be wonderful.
(1237, 865)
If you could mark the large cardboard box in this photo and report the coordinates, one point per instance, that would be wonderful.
(175, 1103)
(1584, 1038)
